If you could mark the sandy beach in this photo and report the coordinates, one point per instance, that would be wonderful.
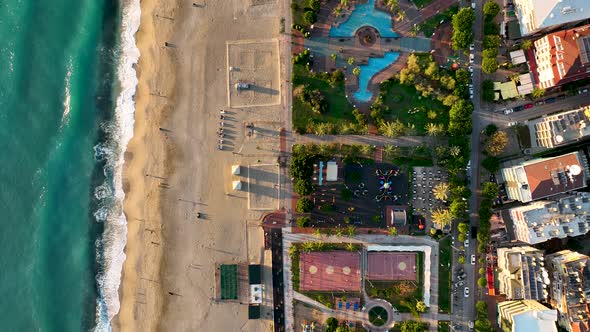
(174, 168)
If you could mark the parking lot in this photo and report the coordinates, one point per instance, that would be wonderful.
(424, 179)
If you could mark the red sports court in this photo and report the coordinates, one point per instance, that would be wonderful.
(391, 266)
(330, 271)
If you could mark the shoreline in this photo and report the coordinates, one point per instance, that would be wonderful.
(139, 277)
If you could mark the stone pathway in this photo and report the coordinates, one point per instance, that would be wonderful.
(375, 140)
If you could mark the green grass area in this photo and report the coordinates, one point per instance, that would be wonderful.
(378, 316)
(408, 106)
(444, 275)
(420, 269)
(443, 326)
(339, 109)
(428, 26)
(421, 3)
(402, 295)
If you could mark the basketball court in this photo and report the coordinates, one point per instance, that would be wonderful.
(392, 266)
(330, 271)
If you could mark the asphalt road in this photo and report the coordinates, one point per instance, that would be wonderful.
(471, 270)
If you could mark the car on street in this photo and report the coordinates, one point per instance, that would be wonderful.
(471, 58)
(470, 69)
(518, 108)
(584, 90)
(561, 97)
(471, 47)
(549, 100)
(472, 259)
(529, 105)
(466, 292)
(508, 111)
(540, 102)
(466, 243)
(512, 124)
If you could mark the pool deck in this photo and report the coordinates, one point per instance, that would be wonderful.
(322, 45)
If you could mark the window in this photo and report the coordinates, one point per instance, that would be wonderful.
(561, 70)
(559, 56)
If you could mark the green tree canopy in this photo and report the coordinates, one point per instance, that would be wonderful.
(301, 166)
(526, 44)
(487, 88)
(460, 118)
(463, 227)
(310, 17)
(411, 326)
(491, 41)
(489, 65)
(315, 5)
(490, 190)
(491, 9)
(458, 208)
(304, 187)
(491, 163)
(303, 221)
(304, 205)
(462, 28)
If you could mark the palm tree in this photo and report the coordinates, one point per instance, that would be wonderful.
(368, 150)
(350, 247)
(350, 231)
(401, 15)
(391, 151)
(392, 231)
(356, 71)
(392, 4)
(433, 129)
(392, 129)
(317, 233)
(333, 56)
(441, 217)
(293, 250)
(351, 60)
(431, 114)
(339, 231)
(307, 246)
(455, 151)
(441, 191)
(319, 245)
(344, 3)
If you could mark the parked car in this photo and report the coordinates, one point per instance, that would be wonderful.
(561, 97)
(471, 58)
(471, 47)
(508, 111)
(512, 124)
(466, 292)
(584, 90)
(470, 69)
(472, 259)
(466, 243)
(518, 108)
(550, 100)
(529, 105)
(540, 102)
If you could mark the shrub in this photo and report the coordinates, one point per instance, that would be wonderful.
(304, 187)
(491, 163)
(487, 88)
(314, 5)
(491, 9)
(303, 221)
(304, 205)
(346, 194)
(481, 282)
(490, 129)
(310, 17)
(489, 65)
(490, 190)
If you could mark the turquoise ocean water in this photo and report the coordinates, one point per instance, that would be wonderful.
(66, 114)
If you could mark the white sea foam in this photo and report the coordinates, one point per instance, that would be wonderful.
(67, 97)
(111, 250)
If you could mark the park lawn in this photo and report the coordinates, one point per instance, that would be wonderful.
(428, 26)
(339, 109)
(444, 275)
(402, 98)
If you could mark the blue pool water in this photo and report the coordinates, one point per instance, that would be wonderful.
(365, 14)
(369, 70)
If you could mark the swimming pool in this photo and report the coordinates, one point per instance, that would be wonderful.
(369, 70)
(365, 14)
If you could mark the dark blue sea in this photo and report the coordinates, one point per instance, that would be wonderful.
(66, 115)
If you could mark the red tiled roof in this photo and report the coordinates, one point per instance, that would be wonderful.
(574, 68)
(540, 176)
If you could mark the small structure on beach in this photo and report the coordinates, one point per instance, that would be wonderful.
(235, 170)
(237, 185)
(332, 171)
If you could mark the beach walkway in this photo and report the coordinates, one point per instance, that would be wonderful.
(373, 140)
